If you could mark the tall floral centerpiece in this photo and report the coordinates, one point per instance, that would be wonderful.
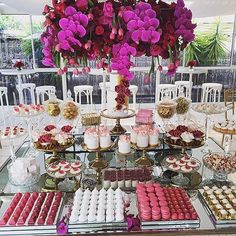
(110, 32)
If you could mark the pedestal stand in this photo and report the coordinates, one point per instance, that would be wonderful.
(118, 129)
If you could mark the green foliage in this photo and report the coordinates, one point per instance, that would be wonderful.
(27, 46)
(8, 22)
(209, 47)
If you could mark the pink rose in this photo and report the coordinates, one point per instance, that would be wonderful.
(107, 9)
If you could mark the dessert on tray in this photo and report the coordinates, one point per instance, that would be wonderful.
(98, 206)
(32, 209)
(182, 105)
(185, 164)
(227, 127)
(97, 137)
(221, 201)
(28, 110)
(53, 137)
(156, 203)
(70, 110)
(126, 178)
(185, 136)
(64, 169)
(220, 162)
(209, 108)
(53, 108)
(12, 132)
(144, 136)
(90, 119)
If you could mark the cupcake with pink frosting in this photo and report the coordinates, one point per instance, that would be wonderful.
(124, 144)
(142, 138)
(153, 137)
(134, 133)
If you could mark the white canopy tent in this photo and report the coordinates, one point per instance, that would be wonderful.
(200, 8)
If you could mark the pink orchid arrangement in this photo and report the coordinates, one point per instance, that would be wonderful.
(110, 32)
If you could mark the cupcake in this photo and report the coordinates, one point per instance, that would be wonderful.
(187, 138)
(104, 139)
(153, 137)
(142, 139)
(198, 137)
(124, 144)
(174, 136)
(133, 134)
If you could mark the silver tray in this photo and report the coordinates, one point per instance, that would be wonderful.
(171, 224)
(214, 220)
(92, 227)
(5, 200)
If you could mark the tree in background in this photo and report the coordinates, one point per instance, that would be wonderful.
(209, 47)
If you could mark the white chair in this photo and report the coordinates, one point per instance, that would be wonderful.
(21, 88)
(41, 91)
(87, 90)
(184, 88)
(211, 92)
(103, 103)
(166, 90)
(3, 92)
(134, 89)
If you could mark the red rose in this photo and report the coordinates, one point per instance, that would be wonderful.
(82, 4)
(99, 30)
(192, 63)
(49, 127)
(182, 128)
(118, 107)
(125, 83)
(66, 128)
(46, 9)
(175, 133)
(119, 88)
(155, 50)
(45, 138)
(120, 100)
(197, 134)
(127, 92)
(18, 64)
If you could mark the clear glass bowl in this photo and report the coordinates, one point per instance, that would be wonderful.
(166, 109)
(24, 178)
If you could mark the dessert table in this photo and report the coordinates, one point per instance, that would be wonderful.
(76, 151)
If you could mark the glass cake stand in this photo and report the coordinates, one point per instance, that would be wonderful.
(144, 160)
(67, 184)
(180, 179)
(220, 173)
(183, 148)
(54, 151)
(218, 110)
(28, 118)
(118, 129)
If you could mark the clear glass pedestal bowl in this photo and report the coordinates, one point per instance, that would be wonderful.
(24, 179)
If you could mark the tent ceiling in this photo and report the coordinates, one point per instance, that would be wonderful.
(200, 8)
